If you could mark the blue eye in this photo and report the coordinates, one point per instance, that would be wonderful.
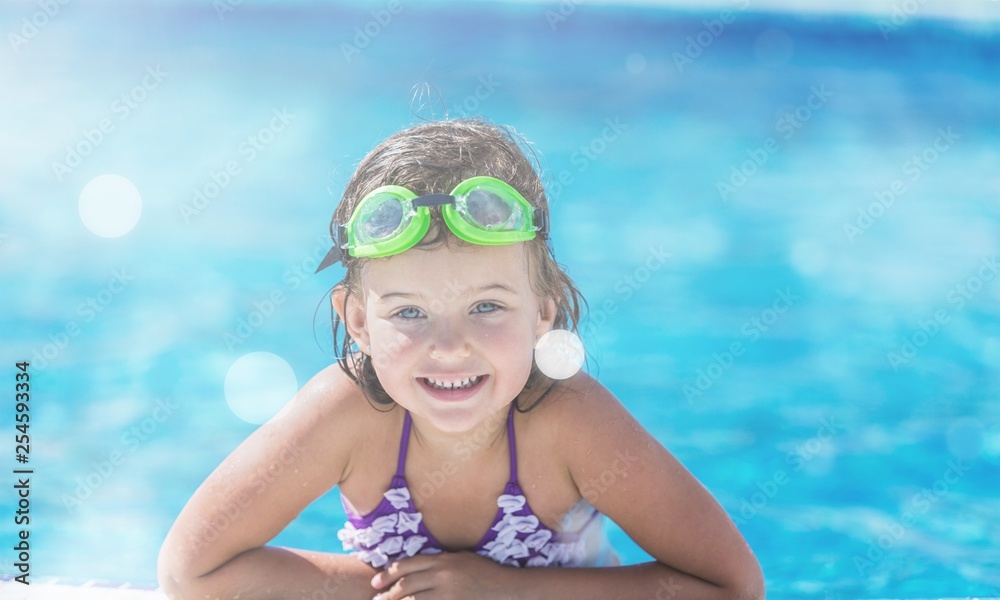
(408, 313)
(486, 308)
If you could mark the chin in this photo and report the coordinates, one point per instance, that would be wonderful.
(453, 418)
(460, 417)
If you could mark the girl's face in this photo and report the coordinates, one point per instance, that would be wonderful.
(452, 329)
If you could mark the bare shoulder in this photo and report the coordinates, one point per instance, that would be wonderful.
(584, 430)
(326, 418)
(330, 399)
(580, 408)
(600, 440)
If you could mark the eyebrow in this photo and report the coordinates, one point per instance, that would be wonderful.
(486, 288)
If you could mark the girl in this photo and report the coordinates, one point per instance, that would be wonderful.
(457, 460)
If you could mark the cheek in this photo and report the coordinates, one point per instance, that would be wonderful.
(389, 344)
(501, 334)
(513, 345)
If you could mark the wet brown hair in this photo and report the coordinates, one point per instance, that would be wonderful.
(434, 157)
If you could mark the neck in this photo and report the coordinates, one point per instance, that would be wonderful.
(482, 440)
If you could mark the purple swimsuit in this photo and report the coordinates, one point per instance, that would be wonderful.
(395, 529)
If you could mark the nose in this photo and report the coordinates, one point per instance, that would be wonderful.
(450, 340)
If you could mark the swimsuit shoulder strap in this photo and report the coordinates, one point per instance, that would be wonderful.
(513, 445)
(404, 442)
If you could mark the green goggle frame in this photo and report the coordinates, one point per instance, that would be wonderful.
(390, 219)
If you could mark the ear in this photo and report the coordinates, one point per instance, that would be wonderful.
(546, 316)
(351, 309)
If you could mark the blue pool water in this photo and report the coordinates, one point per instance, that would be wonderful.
(820, 348)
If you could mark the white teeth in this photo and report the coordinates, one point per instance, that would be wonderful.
(453, 385)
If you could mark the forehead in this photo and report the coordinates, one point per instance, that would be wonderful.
(449, 265)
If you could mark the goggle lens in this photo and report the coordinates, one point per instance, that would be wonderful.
(490, 211)
(383, 218)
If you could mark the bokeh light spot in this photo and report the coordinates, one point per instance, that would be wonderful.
(258, 385)
(559, 354)
(635, 63)
(110, 206)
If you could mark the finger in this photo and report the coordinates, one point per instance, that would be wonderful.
(397, 569)
(387, 596)
(413, 586)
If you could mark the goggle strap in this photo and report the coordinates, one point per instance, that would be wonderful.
(332, 257)
(335, 255)
(541, 218)
(433, 200)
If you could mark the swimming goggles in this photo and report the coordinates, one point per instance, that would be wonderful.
(391, 219)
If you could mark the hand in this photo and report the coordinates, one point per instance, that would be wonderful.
(446, 576)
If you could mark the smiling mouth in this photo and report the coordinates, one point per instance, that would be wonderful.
(452, 384)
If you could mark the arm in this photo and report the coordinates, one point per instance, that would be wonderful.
(453, 576)
(271, 573)
(698, 550)
(216, 549)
